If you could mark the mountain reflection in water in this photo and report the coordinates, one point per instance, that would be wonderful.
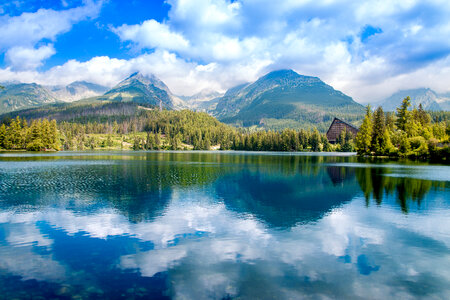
(202, 225)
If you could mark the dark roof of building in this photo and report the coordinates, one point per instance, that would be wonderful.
(336, 119)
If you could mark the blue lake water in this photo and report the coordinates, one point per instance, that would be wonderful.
(222, 225)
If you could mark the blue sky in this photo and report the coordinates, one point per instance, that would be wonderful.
(367, 49)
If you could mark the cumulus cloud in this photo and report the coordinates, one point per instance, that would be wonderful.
(205, 248)
(366, 49)
(181, 76)
(152, 34)
(29, 28)
(21, 34)
(23, 58)
(351, 45)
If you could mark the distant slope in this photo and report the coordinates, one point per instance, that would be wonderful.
(132, 95)
(24, 95)
(91, 109)
(286, 99)
(142, 89)
(204, 101)
(427, 97)
(444, 101)
(77, 90)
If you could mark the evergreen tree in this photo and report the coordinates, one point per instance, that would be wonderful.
(390, 121)
(404, 147)
(2, 135)
(13, 137)
(378, 143)
(55, 142)
(402, 113)
(423, 117)
(157, 141)
(315, 141)
(364, 137)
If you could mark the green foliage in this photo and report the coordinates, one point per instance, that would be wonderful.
(409, 134)
(419, 146)
(287, 140)
(402, 113)
(177, 130)
(364, 137)
(381, 142)
(345, 141)
(40, 135)
(285, 99)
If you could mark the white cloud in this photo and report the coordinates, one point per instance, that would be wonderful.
(320, 38)
(21, 34)
(152, 34)
(22, 58)
(182, 77)
(216, 44)
(30, 28)
(232, 246)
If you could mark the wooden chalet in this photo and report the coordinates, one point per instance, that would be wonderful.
(336, 127)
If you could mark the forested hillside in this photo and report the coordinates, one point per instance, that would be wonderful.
(150, 130)
(285, 99)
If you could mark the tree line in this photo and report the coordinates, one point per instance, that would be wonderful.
(154, 130)
(411, 133)
(39, 135)
(406, 133)
(177, 130)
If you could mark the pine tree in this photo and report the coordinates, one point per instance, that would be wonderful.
(2, 135)
(34, 140)
(402, 113)
(55, 142)
(390, 121)
(13, 137)
(404, 147)
(423, 116)
(158, 140)
(364, 137)
(315, 141)
(46, 134)
(378, 143)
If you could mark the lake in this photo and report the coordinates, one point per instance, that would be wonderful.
(222, 225)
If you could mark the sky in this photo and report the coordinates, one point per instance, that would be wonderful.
(367, 49)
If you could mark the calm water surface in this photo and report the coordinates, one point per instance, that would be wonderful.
(210, 225)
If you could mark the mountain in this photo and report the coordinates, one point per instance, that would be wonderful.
(204, 95)
(77, 90)
(24, 95)
(284, 98)
(444, 101)
(142, 89)
(429, 99)
(205, 100)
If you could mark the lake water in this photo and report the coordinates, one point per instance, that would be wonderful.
(221, 225)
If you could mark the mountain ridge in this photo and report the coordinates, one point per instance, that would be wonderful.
(18, 96)
(429, 99)
(143, 89)
(77, 90)
(285, 95)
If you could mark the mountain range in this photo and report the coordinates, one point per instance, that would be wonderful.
(276, 100)
(17, 96)
(429, 99)
(284, 98)
(142, 89)
(76, 91)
